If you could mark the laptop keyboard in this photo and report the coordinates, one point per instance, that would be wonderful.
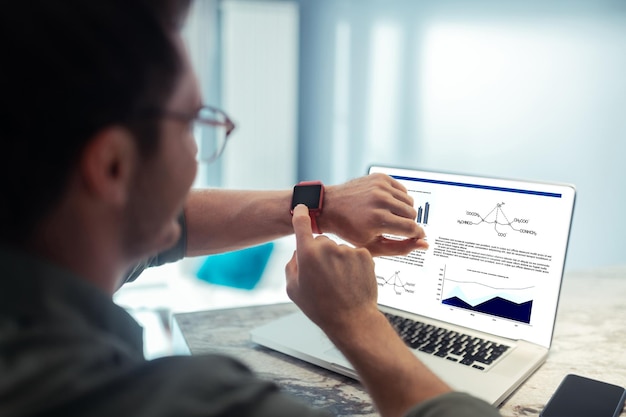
(453, 346)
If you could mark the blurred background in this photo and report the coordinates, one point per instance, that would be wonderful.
(321, 89)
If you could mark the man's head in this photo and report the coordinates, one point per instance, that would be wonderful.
(70, 69)
(94, 171)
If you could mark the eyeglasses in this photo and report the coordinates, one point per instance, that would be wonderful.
(211, 128)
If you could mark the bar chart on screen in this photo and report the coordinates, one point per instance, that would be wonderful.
(422, 213)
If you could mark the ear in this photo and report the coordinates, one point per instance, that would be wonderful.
(107, 164)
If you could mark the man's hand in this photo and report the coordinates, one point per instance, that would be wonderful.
(362, 210)
(334, 285)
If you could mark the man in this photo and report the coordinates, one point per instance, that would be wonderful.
(98, 101)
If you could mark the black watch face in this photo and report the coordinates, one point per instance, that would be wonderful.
(309, 195)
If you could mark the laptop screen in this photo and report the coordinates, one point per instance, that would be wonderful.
(496, 253)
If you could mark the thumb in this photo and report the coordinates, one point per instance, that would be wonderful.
(391, 247)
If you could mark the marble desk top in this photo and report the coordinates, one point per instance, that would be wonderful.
(589, 340)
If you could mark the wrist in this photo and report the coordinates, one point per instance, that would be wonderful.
(325, 220)
(350, 330)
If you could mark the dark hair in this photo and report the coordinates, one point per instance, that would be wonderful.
(69, 69)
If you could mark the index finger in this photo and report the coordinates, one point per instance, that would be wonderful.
(301, 223)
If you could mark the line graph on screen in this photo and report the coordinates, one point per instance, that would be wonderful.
(499, 300)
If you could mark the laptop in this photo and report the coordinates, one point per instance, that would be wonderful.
(479, 306)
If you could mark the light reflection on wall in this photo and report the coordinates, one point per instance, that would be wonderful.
(385, 77)
(512, 92)
(341, 101)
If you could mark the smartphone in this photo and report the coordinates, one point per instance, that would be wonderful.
(578, 396)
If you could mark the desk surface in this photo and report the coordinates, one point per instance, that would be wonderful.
(589, 340)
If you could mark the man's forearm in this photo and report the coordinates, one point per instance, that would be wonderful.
(393, 376)
(224, 220)
(360, 211)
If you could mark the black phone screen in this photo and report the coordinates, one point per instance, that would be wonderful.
(578, 396)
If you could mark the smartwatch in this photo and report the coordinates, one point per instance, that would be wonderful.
(311, 194)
